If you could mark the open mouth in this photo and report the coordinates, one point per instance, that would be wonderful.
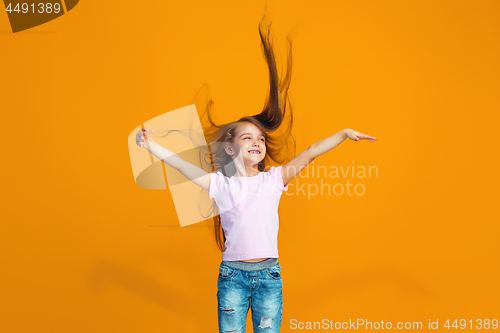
(254, 152)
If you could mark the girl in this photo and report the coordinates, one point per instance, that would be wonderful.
(247, 196)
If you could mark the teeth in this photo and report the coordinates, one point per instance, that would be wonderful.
(254, 152)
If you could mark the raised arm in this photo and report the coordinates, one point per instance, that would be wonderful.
(198, 176)
(295, 166)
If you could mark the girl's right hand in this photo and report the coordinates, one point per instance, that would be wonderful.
(142, 136)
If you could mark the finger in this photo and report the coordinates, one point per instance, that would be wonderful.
(364, 136)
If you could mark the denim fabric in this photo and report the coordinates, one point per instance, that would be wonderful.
(255, 285)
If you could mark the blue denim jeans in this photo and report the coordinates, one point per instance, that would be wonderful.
(257, 285)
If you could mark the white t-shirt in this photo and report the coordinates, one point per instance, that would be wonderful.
(248, 207)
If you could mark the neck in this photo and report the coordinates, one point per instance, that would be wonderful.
(247, 171)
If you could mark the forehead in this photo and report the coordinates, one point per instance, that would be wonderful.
(248, 128)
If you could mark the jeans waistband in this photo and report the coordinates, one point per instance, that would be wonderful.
(251, 266)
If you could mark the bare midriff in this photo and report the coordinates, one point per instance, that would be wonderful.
(255, 260)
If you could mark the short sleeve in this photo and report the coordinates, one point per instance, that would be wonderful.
(278, 178)
(214, 185)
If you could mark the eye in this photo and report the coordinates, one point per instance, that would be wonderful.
(247, 137)
(262, 139)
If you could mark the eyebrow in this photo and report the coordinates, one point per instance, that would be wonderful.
(251, 133)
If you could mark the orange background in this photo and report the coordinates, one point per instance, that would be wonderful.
(84, 249)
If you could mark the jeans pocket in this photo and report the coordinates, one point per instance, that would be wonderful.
(274, 272)
(226, 272)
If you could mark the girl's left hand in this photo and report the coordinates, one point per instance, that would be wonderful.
(356, 136)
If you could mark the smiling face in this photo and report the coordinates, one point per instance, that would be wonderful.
(251, 142)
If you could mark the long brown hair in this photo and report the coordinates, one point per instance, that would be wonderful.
(273, 117)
